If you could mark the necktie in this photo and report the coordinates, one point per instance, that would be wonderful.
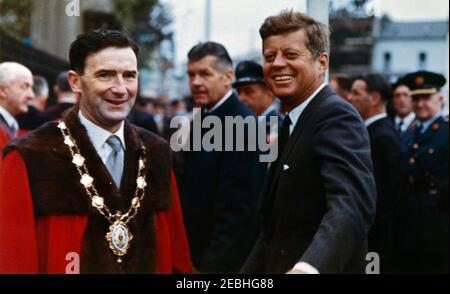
(284, 134)
(114, 162)
(400, 124)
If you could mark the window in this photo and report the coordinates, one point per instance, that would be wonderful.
(422, 60)
(387, 60)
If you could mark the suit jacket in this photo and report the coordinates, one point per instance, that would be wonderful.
(32, 119)
(143, 119)
(56, 111)
(219, 196)
(319, 199)
(6, 133)
(386, 151)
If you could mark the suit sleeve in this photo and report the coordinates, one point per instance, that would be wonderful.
(235, 228)
(342, 148)
(18, 249)
(172, 246)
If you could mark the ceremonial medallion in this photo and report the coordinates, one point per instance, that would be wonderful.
(119, 238)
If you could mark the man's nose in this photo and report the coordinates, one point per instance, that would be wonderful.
(30, 95)
(279, 61)
(196, 81)
(119, 87)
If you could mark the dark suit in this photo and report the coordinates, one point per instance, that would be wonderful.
(6, 134)
(32, 119)
(279, 119)
(386, 151)
(320, 209)
(143, 119)
(56, 111)
(219, 196)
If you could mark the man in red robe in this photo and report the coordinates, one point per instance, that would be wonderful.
(15, 93)
(92, 193)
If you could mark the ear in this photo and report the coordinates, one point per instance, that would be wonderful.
(2, 90)
(229, 75)
(74, 81)
(375, 98)
(323, 61)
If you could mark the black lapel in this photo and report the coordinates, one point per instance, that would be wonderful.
(276, 169)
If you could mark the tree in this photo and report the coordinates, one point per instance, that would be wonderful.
(15, 18)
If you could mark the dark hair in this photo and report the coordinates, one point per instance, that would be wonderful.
(94, 41)
(62, 81)
(201, 50)
(40, 86)
(288, 21)
(344, 82)
(376, 83)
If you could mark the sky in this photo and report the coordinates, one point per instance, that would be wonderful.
(235, 23)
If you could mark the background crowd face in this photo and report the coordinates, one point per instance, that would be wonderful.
(360, 98)
(401, 100)
(427, 106)
(17, 93)
(108, 86)
(290, 69)
(207, 83)
(256, 96)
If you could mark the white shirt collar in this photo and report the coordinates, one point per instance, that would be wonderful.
(99, 135)
(407, 120)
(374, 118)
(295, 113)
(221, 101)
(428, 122)
(268, 110)
(10, 120)
(68, 99)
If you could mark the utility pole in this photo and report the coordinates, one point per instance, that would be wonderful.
(319, 10)
(207, 20)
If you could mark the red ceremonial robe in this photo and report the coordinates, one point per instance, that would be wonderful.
(35, 241)
(40, 246)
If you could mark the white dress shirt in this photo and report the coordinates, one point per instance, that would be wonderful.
(407, 121)
(10, 120)
(98, 137)
(295, 113)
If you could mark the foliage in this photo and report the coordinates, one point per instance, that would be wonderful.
(15, 17)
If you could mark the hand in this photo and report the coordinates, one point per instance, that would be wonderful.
(295, 272)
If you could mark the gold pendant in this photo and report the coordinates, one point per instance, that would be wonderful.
(119, 238)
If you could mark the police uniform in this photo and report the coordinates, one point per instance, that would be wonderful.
(423, 232)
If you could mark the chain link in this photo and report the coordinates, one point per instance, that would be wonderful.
(91, 191)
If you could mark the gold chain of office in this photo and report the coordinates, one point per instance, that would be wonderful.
(119, 236)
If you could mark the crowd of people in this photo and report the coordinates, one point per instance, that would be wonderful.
(362, 165)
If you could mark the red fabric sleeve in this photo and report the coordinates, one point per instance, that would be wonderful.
(172, 248)
(18, 245)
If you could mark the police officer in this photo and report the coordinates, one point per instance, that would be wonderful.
(254, 93)
(424, 231)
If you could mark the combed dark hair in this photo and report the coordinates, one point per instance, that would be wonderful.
(62, 81)
(288, 21)
(94, 41)
(201, 50)
(377, 83)
(344, 81)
